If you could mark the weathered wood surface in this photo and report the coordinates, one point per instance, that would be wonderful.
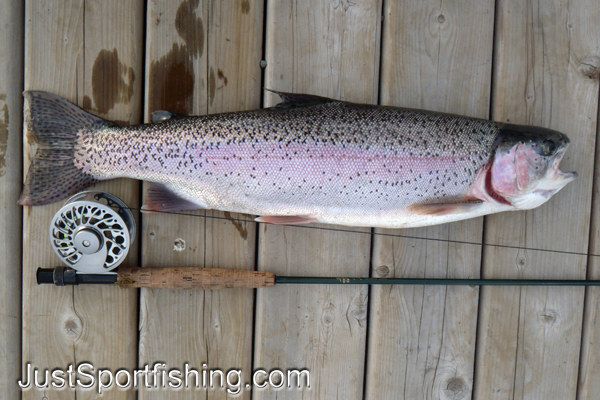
(589, 384)
(11, 165)
(329, 49)
(202, 57)
(529, 338)
(422, 338)
(90, 53)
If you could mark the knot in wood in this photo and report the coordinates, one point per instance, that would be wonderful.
(441, 19)
(548, 317)
(179, 244)
(382, 270)
(72, 328)
(328, 317)
(357, 309)
(456, 389)
(521, 259)
(590, 67)
(342, 4)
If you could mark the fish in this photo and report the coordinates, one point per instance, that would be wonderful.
(307, 159)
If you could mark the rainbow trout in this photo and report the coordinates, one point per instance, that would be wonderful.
(308, 159)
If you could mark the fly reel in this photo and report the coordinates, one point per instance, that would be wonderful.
(92, 232)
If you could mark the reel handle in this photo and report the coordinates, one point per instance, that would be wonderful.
(192, 278)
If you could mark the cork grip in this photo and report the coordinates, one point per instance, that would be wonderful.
(193, 278)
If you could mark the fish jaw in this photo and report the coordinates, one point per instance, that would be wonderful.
(553, 181)
(546, 188)
(557, 179)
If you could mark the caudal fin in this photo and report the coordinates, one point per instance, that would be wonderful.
(53, 175)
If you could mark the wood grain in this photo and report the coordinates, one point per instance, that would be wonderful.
(529, 338)
(422, 339)
(11, 167)
(71, 49)
(328, 49)
(321, 328)
(202, 57)
(589, 385)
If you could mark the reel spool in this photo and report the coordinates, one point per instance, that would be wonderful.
(92, 232)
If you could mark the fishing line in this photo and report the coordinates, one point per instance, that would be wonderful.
(378, 234)
(93, 231)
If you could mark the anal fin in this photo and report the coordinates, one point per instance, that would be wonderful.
(160, 199)
(286, 219)
(445, 208)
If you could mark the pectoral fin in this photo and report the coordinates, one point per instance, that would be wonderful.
(160, 199)
(445, 208)
(286, 219)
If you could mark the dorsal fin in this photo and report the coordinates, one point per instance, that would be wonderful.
(290, 100)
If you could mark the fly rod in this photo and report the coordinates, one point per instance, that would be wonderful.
(219, 278)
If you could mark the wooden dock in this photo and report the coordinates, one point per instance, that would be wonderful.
(523, 62)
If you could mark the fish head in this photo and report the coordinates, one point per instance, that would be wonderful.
(525, 170)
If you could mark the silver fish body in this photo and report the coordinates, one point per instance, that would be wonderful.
(314, 159)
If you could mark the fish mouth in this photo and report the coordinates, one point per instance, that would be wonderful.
(555, 183)
(566, 177)
(558, 177)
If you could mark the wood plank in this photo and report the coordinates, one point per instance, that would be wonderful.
(11, 167)
(436, 56)
(89, 53)
(588, 384)
(589, 370)
(529, 338)
(329, 49)
(202, 58)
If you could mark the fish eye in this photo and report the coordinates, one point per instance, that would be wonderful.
(548, 147)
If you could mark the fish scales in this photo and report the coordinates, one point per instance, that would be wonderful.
(316, 158)
(319, 159)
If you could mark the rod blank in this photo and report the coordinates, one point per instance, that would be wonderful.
(426, 281)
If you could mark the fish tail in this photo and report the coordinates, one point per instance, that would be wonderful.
(58, 124)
